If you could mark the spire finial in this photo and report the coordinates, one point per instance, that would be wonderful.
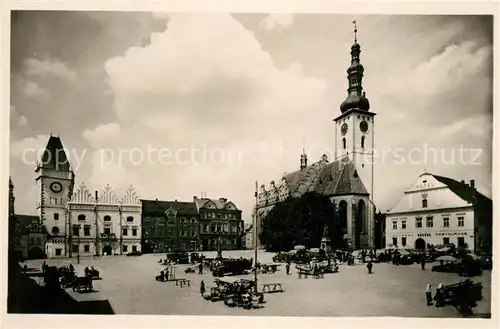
(355, 31)
(303, 146)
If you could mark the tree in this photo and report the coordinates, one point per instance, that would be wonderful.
(301, 221)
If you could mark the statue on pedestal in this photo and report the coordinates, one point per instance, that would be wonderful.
(325, 241)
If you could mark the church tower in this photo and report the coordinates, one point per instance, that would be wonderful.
(354, 127)
(55, 183)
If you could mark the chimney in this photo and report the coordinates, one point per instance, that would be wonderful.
(472, 184)
(156, 200)
(175, 200)
(195, 198)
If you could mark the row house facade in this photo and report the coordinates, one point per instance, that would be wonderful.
(438, 210)
(221, 225)
(169, 226)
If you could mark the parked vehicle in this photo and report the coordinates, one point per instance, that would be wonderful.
(178, 257)
(232, 267)
(134, 253)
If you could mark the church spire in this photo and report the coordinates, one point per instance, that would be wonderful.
(356, 97)
(303, 156)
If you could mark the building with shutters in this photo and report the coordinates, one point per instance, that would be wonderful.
(438, 210)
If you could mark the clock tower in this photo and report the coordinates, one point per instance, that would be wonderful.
(55, 182)
(354, 127)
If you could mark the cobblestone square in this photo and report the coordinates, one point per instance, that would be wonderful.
(128, 283)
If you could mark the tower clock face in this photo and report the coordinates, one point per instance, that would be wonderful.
(56, 187)
(343, 129)
(363, 125)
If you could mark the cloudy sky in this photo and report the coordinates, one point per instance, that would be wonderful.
(177, 105)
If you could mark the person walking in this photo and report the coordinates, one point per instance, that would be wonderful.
(428, 294)
(422, 262)
(200, 268)
(287, 268)
(439, 297)
(166, 274)
(369, 266)
(202, 288)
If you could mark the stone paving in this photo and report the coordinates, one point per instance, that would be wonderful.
(128, 284)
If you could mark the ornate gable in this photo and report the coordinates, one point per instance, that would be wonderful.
(131, 197)
(171, 212)
(82, 195)
(108, 196)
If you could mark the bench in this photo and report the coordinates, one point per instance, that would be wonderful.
(183, 282)
(270, 288)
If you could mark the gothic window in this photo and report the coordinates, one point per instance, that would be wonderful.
(344, 143)
(362, 141)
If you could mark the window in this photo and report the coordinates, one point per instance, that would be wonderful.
(184, 233)
(86, 248)
(130, 219)
(58, 252)
(461, 241)
(395, 241)
(134, 248)
(32, 241)
(418, 222)
(403, 225)
(403, 241)
(213, 228)
(446, 222)
(125, 247)
(125, 231)
(430, 222)
(394, 225)
(446, 240)
(344, 143)
(81, 217)
(75, 248)
(76, 230)
(56, 216)
(86, 230)
(38, 240)
(134, 232)
(460, 221)
(55, 230)
(362, 141)
(107, 230)
(107, 218)
(424, 203)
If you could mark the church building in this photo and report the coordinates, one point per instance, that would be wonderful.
(348, 178)
(77, 221)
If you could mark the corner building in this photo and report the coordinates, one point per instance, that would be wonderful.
(348, 179)
(438, 210)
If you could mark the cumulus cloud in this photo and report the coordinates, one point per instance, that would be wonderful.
(273, 21)
(29, 149)
(48, 68)
(33, 90)
(218, 95)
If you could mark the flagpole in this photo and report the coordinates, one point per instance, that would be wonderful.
(255, 233)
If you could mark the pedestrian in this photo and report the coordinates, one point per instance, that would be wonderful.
(200, 268)
(162, 276)
(78, 259)
(422, 262)
(202, 288)
(369, 266)
(287, 268)
(439, 297)
(166, 274)
(25, 268)
(428, 294)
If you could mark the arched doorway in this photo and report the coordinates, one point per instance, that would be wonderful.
(342, 213)
(420, 244)
(107, 250)
(36, 253)
(360, 224)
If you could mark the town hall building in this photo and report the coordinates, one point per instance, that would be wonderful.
(79, 222)
(348, 178)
